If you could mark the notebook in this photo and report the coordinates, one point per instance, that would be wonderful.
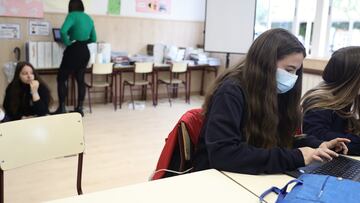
(341, 166)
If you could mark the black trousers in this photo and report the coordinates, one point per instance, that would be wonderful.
(75, 60)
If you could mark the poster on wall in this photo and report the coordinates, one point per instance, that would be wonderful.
(153, 6)
(39, 27)
(22, 8)
(114, 7)
(9, 31)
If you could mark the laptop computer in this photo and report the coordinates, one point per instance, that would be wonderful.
(343, 167)
(56, 34)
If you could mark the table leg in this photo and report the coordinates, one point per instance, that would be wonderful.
(202, 82)
(120, 89)
(114, 86)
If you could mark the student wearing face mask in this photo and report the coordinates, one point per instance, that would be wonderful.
(26, 95)
(332, 108)
(253, 110)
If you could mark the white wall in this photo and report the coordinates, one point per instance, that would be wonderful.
(188, 10)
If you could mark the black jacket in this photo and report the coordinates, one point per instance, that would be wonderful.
(327, 125)
(223, 146)
(26, 106)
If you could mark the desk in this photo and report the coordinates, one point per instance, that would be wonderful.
(70, 99)
(257, 184)
(119, 69)
(210, 186)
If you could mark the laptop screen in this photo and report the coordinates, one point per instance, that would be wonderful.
(56, 34)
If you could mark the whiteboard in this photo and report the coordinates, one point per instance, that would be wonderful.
(229, 25)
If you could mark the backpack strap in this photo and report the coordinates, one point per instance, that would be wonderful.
(280, 192)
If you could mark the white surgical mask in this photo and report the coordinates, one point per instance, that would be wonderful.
(285, 80)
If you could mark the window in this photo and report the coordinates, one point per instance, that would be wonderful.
(274, 14)
(345, 24)
(337, 22)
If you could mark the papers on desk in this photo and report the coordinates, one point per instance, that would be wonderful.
(99, 53)
(44, 55)
(105, 50)
(214, 61)
(57, 54)
(159, 53)
(199, 58)
(141, 58)
(93, 51)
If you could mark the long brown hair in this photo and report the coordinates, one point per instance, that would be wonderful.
(16, 88)
(271, 118)
(340, 89)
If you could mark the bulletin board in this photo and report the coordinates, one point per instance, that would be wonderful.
(22, 8)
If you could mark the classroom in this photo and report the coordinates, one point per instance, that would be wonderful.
(171, 100)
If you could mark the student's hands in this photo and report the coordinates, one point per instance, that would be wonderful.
(337, 144)
(34, 86)
(319, 154)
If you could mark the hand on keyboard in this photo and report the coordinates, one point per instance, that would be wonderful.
(337, 144)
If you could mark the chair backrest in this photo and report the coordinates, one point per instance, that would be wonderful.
(179, 67)
(144, 67)
(38, 139)
(177, 154)
(102, 68)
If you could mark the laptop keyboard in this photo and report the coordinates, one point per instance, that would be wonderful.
(341, 167)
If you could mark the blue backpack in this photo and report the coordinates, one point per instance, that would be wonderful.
(317, 188)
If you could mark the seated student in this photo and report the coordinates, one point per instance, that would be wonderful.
(252, 111)
(26, 95)
(332, 108)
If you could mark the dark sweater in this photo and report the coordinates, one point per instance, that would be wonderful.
(327, 125)
(26, 107)
(223, 146)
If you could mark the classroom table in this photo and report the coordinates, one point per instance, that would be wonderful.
(158, 67)
(210, 186)
(257, 184)
(118, 77)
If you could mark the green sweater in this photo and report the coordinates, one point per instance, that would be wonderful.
(78, 26)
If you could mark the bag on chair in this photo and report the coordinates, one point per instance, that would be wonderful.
(317, 188)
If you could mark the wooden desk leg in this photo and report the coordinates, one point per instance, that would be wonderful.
(153, 87)
(202, 82)
(114, 86)
(156, 87)
(189, 88)
(120, 89)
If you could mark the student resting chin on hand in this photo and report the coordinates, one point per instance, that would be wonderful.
(26, 95)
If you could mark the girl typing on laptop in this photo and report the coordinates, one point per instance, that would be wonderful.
(252, 112)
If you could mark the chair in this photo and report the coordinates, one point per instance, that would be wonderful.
(173, 82)
(32, 140)
(143, 69)
(100, 70)
(177, 155)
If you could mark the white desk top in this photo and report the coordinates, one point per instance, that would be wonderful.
(210, 186)
(258, 184)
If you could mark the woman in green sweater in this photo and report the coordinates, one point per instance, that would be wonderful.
(77, 31)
